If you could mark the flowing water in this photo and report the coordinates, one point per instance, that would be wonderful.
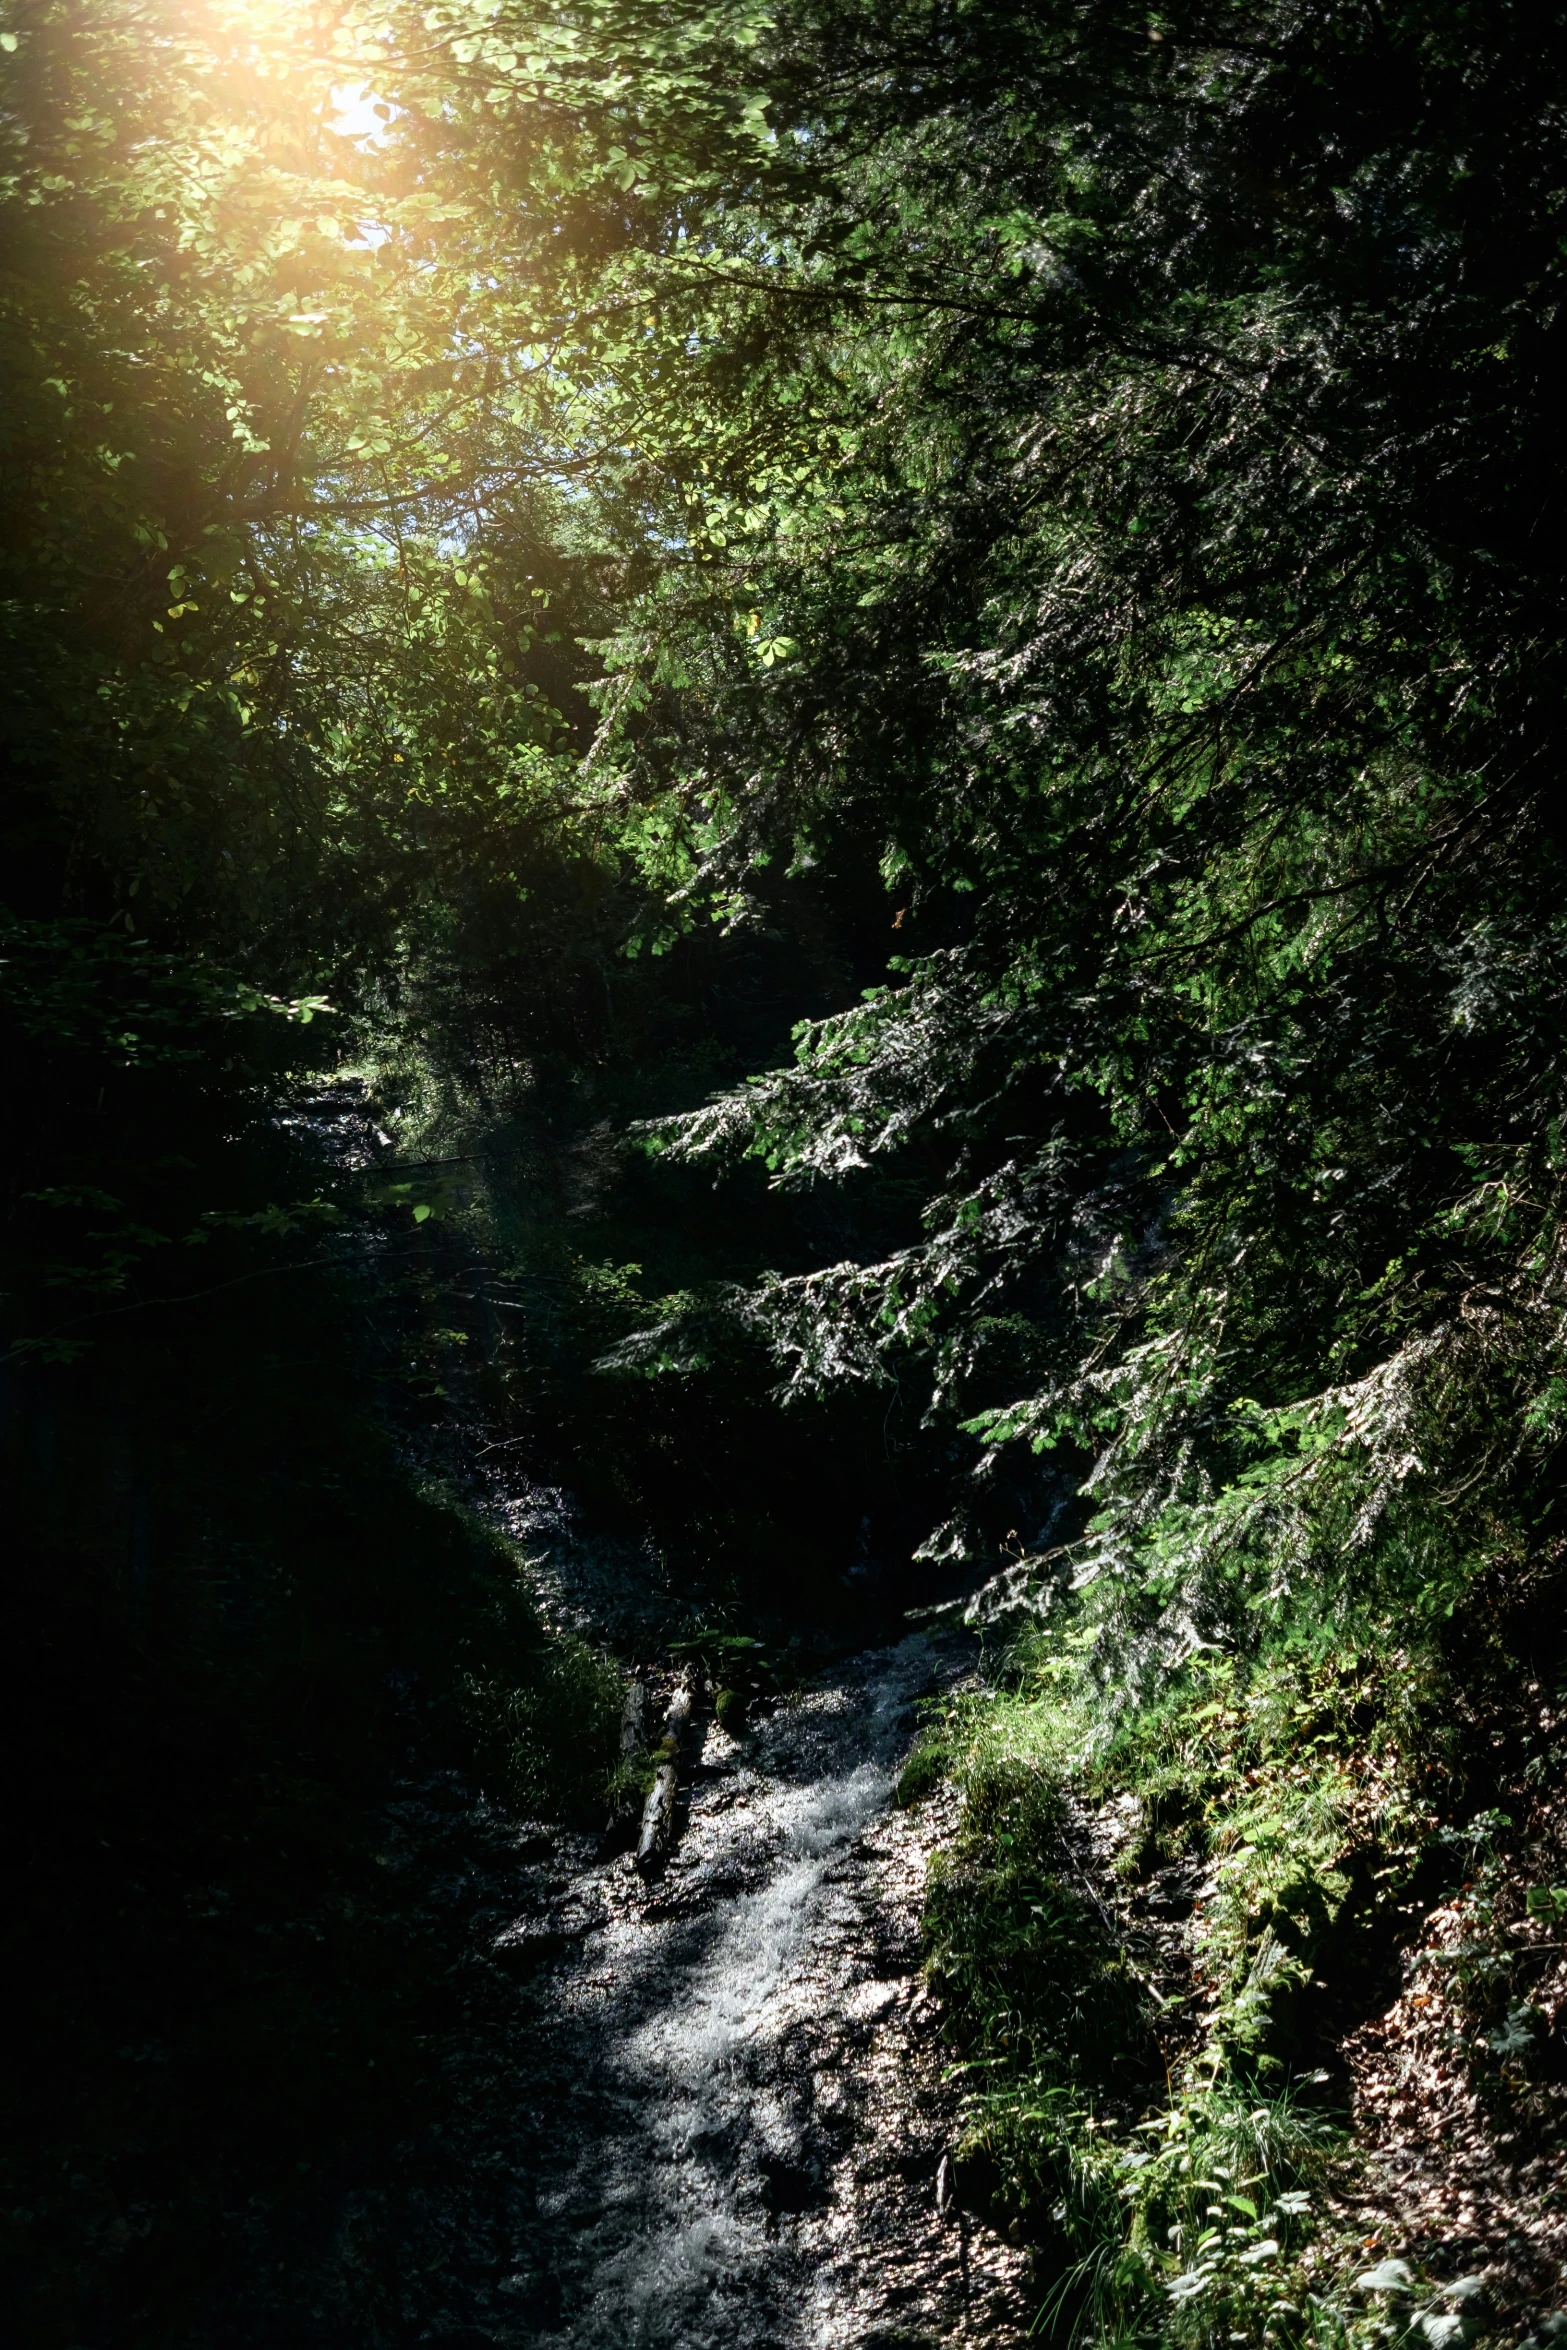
(707, 2114)
(748, 2108)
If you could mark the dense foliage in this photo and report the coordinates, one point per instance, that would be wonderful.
(544, 546)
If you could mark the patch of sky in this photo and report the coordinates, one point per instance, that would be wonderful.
(361, 114)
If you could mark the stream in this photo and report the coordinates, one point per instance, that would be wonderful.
(703, 2114)
(745, 2070)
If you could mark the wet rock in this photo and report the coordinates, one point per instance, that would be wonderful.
(834, 2101)
(974, 2180)
(532, 1942)
(790, 2186)
(536, 2297)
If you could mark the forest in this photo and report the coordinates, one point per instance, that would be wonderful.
(783, 767)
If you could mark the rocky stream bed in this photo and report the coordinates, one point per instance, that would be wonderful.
(710, 2111)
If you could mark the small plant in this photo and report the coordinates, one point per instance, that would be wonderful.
(550, 1727)
(923, 1772)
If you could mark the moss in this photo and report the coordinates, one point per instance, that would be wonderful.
(730, 1709)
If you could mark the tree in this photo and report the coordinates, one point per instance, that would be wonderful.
(1172, 606)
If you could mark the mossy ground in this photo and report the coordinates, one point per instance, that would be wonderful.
(1256, 1986)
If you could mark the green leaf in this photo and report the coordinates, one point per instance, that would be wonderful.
(1389, 2276)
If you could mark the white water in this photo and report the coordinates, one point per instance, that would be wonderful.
(699, 2087)
(713, 2119)
(703, 2116)
(751, 2114)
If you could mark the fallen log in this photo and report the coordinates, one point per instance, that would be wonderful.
(658, 1821)
(680, 1721)
(657, 1839)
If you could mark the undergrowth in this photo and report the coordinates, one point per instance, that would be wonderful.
(1153, 1931)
